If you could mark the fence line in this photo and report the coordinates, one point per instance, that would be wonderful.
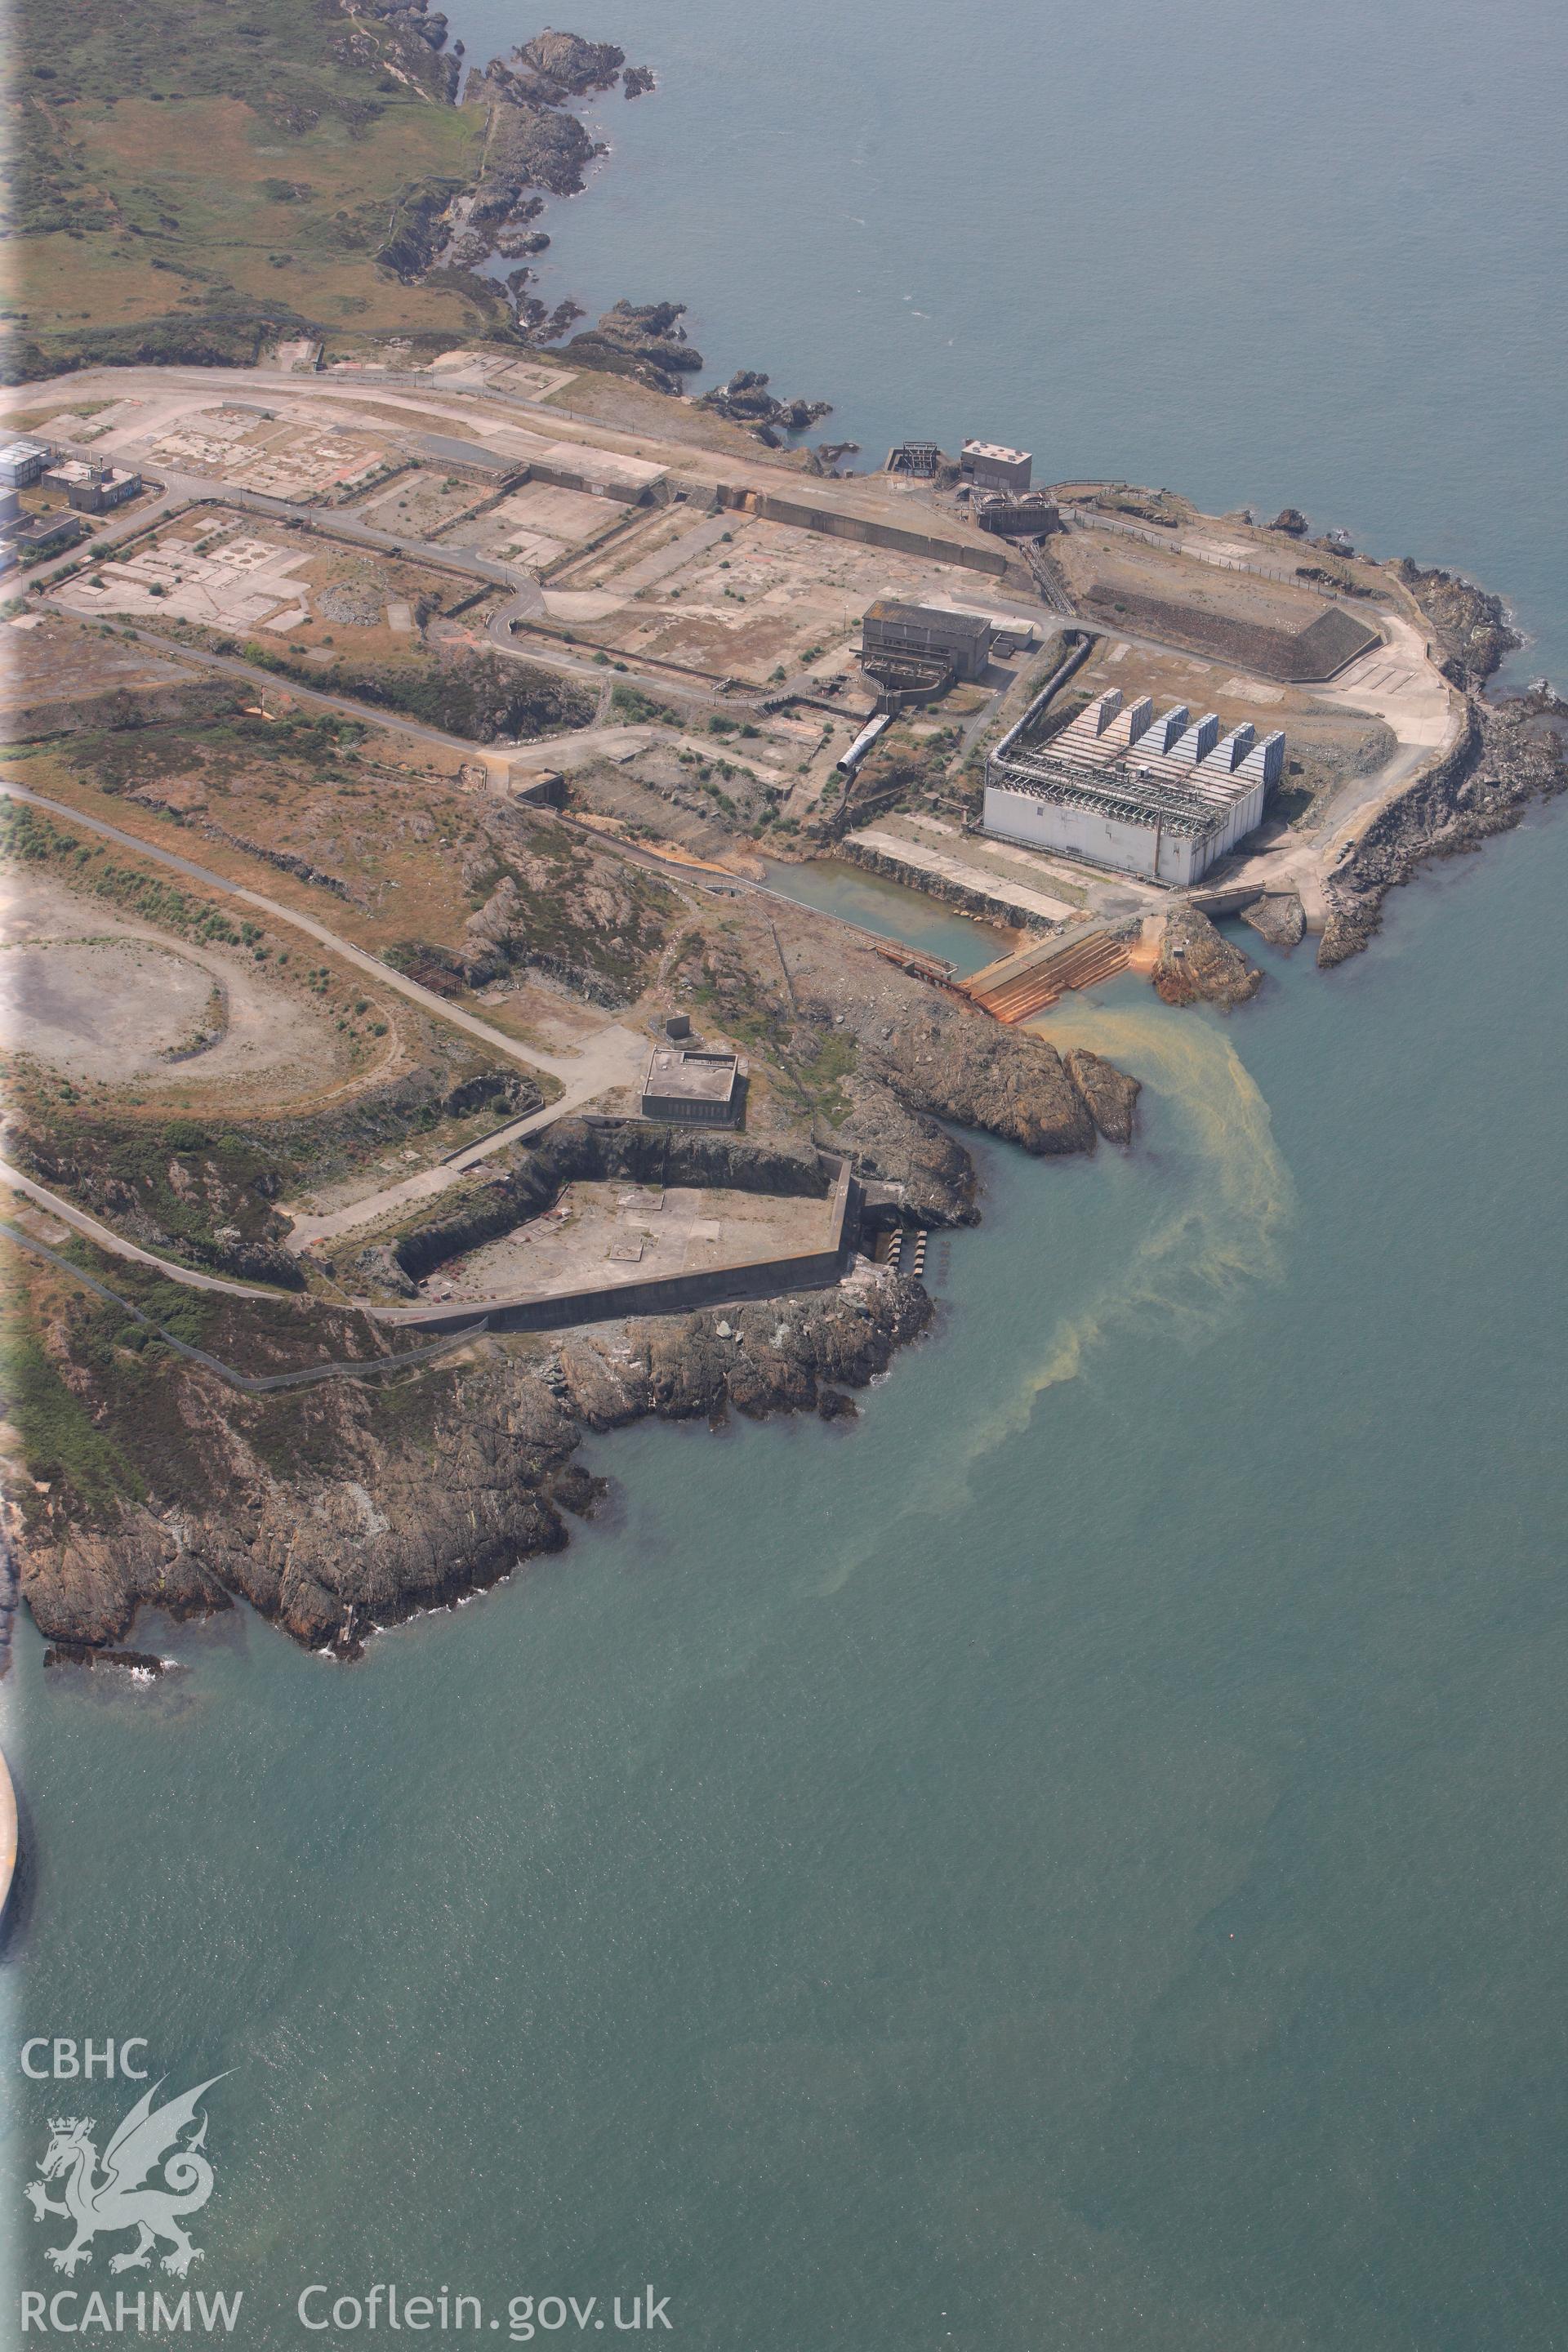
(253, 1383)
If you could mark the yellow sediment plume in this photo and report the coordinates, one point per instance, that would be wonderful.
(1200, 1254)
(1197, 1259)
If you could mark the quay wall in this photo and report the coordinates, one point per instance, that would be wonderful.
(1004, 913)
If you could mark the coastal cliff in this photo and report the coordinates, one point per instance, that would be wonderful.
(351, 1507)
(171, 1460)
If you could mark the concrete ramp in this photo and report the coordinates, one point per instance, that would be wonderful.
(1017, 986)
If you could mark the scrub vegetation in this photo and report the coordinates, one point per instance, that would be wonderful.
(185, 182)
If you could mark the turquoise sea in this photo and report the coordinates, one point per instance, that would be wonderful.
(1078, 1858)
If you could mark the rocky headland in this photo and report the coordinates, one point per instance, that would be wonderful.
(535, 146)
(1196, 964)
(1510, 753)
(746, 400)
(353, 1508)
(642, 340)
(349, 1504)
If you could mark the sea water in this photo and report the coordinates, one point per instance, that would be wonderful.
(1077, 1856)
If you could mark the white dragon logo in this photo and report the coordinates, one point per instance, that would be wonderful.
(117, 2198)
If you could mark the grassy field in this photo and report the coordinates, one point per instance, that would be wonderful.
(186, 179)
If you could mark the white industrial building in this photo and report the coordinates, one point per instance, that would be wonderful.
(21, 463)
(990, 465)
(1160, 797)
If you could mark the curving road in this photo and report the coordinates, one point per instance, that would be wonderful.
(613, 1056)
(117, 1246)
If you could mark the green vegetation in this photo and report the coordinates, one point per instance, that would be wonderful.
(820, 1077)
(157, 219)
(33, 840)
(226, 744)
(181, 1182)
(478, 696)
(641, 709)
(61, 1444)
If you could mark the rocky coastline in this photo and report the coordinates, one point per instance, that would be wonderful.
(375, 1510)
(1510, 753)
(536, 146)
(1511, 750)
(340, 1507)
(642, 340)
(1196, 964)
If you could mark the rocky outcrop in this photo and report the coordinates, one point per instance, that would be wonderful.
(416, 228)
(1111, 1096)
(957, 1065)
(777, 1352)
(827, 457)
(746, 400)
(637, 82)
(168, 698)
(889, 1143)
(937, 1055)
(1508, 754)
(645, 340)
(1471, 626)
(1195, 965)
(1290, 520)
(406, 35)
(533, 141)
(529, 144)
(569, 66)
(1278, 917)
(416, 1512)
(288, 861)
(509, 1092)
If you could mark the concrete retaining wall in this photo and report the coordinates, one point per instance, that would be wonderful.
(835, 524)
(673, 1294)
(583, 478)
(1003, 912)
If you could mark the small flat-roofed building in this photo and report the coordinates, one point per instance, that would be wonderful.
(468, 461)
(962, 638)
(693, 1089)
(89, 488)
(22, 462)
(43, 534)
(10, 507)
(990, 466)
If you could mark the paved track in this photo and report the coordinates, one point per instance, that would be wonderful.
(117, 1246)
